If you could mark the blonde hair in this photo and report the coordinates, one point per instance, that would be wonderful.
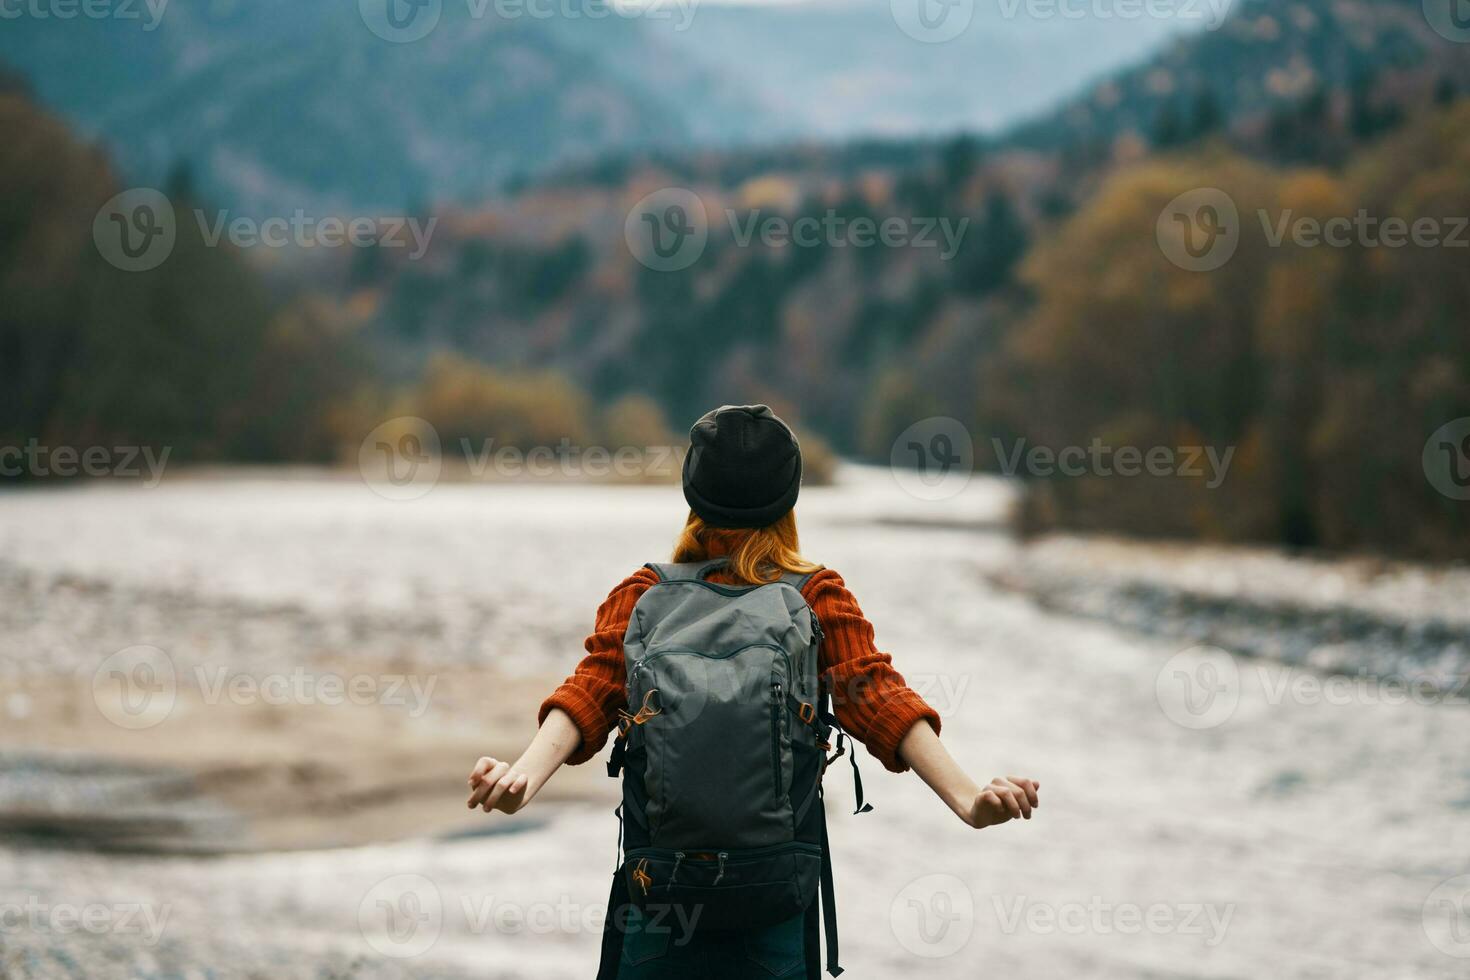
(756, 555)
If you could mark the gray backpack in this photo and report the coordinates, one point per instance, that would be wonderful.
(722, 749)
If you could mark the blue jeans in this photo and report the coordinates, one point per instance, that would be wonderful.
(663, 951)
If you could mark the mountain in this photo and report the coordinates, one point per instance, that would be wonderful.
(276, 105)
(1266, 58)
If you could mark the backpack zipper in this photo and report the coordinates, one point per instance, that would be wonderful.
(778, 706)
(730, 591)
(692, 855)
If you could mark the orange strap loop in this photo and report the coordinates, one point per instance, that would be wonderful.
(645, 712)
(641, 875)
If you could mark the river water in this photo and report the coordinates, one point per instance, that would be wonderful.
(1286, 834)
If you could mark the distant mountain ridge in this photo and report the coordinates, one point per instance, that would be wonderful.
(276, 104)
(1265, 56)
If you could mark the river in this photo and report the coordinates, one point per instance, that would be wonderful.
(1289, 831)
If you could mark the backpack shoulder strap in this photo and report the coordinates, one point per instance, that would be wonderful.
(797, 580)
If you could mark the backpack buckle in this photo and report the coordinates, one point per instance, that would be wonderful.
(807, 713)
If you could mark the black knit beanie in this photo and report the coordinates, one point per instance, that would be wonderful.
(743, 467)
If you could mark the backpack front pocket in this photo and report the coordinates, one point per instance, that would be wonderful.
(722, 890)
(717, 763)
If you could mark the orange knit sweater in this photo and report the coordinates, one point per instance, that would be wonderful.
(869, 697)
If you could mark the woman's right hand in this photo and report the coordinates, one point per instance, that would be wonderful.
(1011, 798)
(495, 785)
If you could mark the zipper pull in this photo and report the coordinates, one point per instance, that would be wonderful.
(678, 860)
(722, 856)
(641, 875)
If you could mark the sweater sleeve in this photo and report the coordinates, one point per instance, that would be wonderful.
(597, 688)
(870, 698)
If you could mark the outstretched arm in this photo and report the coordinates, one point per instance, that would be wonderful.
(506, 786)
(1011, 798)
(576, 718)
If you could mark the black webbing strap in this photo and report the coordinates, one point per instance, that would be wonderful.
(828, 720)
(829, 902)
(857, 785)
(613, 926)
(619, 753)
(811, 937)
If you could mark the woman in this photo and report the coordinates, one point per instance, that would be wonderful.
(741, 480)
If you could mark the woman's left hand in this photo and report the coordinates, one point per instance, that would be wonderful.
(494, 785)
